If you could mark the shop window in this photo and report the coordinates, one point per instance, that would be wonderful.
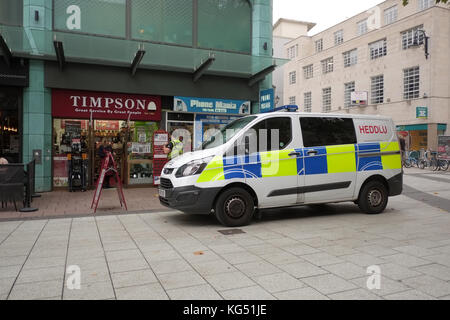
(11, 12)
(168, 21)
(101, 17)
(225, 25)
(10, 147)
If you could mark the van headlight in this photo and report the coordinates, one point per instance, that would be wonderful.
(192, 168)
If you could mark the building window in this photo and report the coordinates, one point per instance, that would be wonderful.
(350, 58)
(411, 83)
(307, 101)
(158, 21)
(292, 52)
(292, 77)
(362, 27)
(377, 87)
(319, 45)
(349, 88)
(327, 65)
(425, 4)
(308, 71)
(326, 100)
(338, 37)
(223, 25)
(410, 35)
(378, 49)
(292, 100)
(390, 15)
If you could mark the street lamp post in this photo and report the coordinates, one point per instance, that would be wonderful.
(417, 44)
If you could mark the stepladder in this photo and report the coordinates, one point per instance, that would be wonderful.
(109, 168)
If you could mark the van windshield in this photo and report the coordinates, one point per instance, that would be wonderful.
(228, 132)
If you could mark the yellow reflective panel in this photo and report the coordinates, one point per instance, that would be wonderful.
(278, 164)
(341, 158)
(213, 172)
(393, 161)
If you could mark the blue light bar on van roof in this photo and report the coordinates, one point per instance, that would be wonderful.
(288, 108)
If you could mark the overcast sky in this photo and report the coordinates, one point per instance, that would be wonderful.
(325, 13)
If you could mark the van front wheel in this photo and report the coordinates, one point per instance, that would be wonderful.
(373, 198)
(234, 207)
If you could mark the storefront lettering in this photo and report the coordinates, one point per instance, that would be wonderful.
(74, 20)
(107, 103)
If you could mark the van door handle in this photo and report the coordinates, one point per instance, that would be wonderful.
(314, 152)
(295, 154)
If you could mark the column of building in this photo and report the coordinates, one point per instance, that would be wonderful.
(37, 119)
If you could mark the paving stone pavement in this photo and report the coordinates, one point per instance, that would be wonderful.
(296, 253)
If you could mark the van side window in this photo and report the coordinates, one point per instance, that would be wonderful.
(327, 131)
(271, 134)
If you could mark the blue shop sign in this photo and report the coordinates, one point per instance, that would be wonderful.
(266, 100)
(205, 105)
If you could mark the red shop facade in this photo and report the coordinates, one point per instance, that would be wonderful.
(84, 120)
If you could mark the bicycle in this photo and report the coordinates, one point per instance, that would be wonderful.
(430, 159)
(412, 159)
(443, 164)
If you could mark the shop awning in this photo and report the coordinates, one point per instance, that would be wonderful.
(82, 48)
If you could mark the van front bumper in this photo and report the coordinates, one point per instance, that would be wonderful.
(189, 199)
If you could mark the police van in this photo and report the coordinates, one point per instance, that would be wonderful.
(286, 158)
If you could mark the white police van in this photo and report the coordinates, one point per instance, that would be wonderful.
(283, 159)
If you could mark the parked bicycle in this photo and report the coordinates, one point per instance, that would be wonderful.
(431, 160)
(412, 159)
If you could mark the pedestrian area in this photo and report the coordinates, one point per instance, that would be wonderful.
(317, 252)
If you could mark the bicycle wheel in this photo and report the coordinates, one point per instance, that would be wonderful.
(422, 164)
(434, 165)
(443, 164)
(407, 163)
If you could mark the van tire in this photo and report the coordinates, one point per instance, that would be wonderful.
(234, 207)
(373, 197)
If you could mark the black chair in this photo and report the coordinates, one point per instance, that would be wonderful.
(12, 186)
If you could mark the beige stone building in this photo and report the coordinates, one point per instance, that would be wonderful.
(380, 52)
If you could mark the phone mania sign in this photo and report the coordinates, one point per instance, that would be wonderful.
(105, 106)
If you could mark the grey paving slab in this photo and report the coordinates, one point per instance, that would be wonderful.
(328, 284)
(123, 255)
(240, 257)
(36, 290)
(278, 282)
(317, 242)
(6, 285)
(258, 268)
(429, 285)
(133, 278)
(281, 258)
(90, 291)
(387, 286)
(357, 294)
(417, 251)
(201, 256)
(37, 263)
(300, 249)
(322, 259)
(213, 267)
(303, 269)
(396, 272)
(376, 250)
(409, 295)
(406, 260)
(229, 280)
(180, 279)
(128, 265)
(170, 266)
(363, 259)
(443, 259)
(9, 271)
(346, 270)
(247, 293)
(41, 274)
(12, 261)
(337, 250)
(435, 270)
(152, 291)
(202, 292)
(305, 293)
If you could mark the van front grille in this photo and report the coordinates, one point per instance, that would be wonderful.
(166, 183)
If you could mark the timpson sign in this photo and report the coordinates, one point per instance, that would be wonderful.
(105, 106)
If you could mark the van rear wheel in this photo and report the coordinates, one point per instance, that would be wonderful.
(234, 207)
(373, 198)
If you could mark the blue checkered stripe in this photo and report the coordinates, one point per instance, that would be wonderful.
(249, 167)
